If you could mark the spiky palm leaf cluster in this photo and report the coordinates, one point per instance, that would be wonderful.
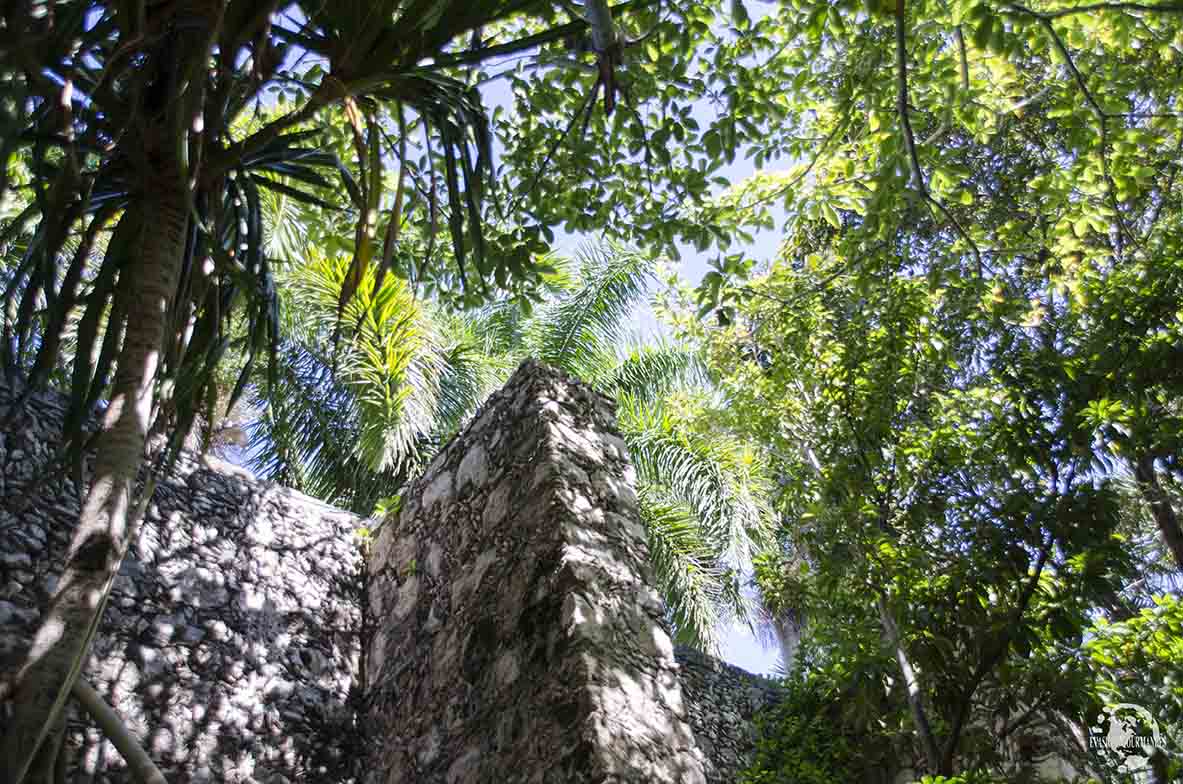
(364, 396)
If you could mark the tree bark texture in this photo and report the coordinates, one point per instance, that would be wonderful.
(105, 528)
(1160, 506)
(932, 751)
(107, 524)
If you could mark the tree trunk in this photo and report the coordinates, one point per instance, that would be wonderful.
(787, 627)
(1160, 505)
(105, 528)
(932, 751)
(138, 761)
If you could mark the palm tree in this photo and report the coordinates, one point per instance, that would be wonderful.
(352, 419)
(125, 113)
(409, 374)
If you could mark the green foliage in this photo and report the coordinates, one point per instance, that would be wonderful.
(962, 372)
(351, 424)
(1137, 661)
(965, 352)
(806, 739)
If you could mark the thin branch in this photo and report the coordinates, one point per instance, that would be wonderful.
(788, 186)
(469, 57)
(1154, 8)
(586, 107)
(962, 57)
(539, 63)
(901, 60)
(1095, 106)
(141, 765)
(1023, 104)
(628, 101)
(1010, 726)
(973, 246)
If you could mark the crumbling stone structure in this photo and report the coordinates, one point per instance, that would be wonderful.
(230, 641)
(517, 637)
(509, 630)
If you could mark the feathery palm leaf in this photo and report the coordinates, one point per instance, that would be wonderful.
(352, 424)
(648, 372)
(716, 476)
(687, 569)
(581, 332)
(475, 367)
(392, 358)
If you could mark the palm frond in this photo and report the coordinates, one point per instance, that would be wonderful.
(719, 478)
(392, 359)
(648, 372)
(687, 569)
(305, 436)
(285, 238)
(476, 364)
(580, 332)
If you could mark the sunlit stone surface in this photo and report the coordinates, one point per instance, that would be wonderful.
(510, 631)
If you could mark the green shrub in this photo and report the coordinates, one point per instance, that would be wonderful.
(803, 740)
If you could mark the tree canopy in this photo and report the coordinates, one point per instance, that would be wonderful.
(955, 388)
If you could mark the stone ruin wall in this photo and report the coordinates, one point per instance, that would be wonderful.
(231, 638)
(512, 634)
(518, 638)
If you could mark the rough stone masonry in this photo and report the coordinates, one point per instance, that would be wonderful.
(511, 634)
(519, 638)
(231, 639)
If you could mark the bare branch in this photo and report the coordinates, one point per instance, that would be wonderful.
(1153, 8)
(141, 765)
(901, 60)
(962, 57)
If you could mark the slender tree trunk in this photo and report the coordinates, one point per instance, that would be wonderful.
(105, 527)
(1160, 506)
(932, 751)
(138, 761)
(787, 627)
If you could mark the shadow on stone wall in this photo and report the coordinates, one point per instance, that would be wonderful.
(231, 638)
(517, 634)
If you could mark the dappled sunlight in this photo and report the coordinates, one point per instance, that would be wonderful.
(231, 639)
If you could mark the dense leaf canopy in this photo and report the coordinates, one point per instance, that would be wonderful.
(954, 390)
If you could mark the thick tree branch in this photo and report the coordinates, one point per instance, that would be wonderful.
(1160, 505)
(993, 656)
